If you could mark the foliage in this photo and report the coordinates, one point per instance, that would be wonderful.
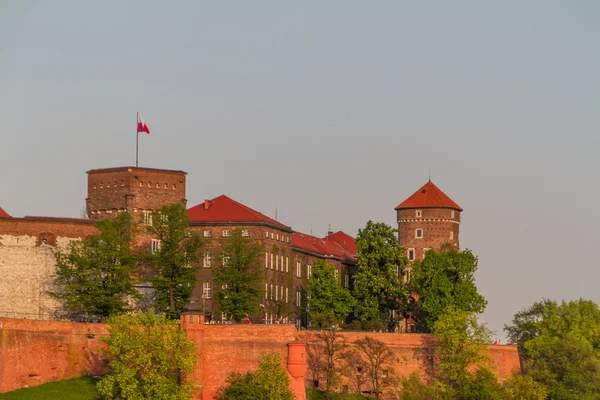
(327, 296)
(321, 395)
(377, 358)
(413, 388)
(520, 387)
(378, 285)
(148, 357)
(560, 347)
(172, 264)
(445, 279)
(239, 274)
(94, 277)
(483, 385)
(325, 352)
(70, 389)
(461, 347)
(269, 382)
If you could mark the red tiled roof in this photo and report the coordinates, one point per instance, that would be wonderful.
(224, 209)
(344, 240)
(323, 247)
(4, 214)
(429, 196)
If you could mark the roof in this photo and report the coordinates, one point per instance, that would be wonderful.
(117, 169)
(344, 240)
(323, 247)
(4, 214)
(223, 209)
(429, 196)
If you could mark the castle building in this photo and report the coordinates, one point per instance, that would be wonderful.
(427, 219)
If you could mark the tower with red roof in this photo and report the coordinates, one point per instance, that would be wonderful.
(428, 219)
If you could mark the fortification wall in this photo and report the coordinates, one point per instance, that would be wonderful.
(27, 263)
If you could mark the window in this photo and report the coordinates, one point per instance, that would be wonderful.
(337, 274)
(419, 233)
(206, 290)
(276, 292)
(419, 214)
(298, 269)
(267, 234)
(147, 215)
(286, 295)
(287, 239)
(226, 233)
(277, 263)
(347, 281)
(155, 245)
(308, 270)
(266, 259)
(452, 214)
(411, 254)
(266, 290)
(451, 235)
(207, 233)
(226, 261)
(272, 236)
(425, 250)
(207, 259)
(287, 264)
(281, 263)
(271, 291)
(407, 276)
(278, 236)
(245, 232)
(298, 298)
(271, 260)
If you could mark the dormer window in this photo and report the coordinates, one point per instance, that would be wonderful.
(419, 213)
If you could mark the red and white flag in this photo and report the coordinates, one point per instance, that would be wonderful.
(142, 127)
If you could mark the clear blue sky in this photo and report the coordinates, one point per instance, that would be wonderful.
(331, 112)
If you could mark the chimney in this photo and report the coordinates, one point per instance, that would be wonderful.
(207, 204)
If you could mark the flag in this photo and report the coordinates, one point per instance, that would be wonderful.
(142, 127)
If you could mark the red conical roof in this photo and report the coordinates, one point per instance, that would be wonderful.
(4, 214)
(429, 196)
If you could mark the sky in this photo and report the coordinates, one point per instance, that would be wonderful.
(331, 113)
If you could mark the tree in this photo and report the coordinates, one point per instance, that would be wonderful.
(326, 350)
(239, 275)
(519, 387)
(148, 357)
(560, 347)
(461, 347)
(377, 358)
(94, 278)
(172, 258)
(327, 296)
(270, 381)
(378, 285)
(445, 279)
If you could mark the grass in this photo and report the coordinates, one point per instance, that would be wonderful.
(71, 389)
(320, 395)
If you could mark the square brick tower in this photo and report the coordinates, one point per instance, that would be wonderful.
(132, 189)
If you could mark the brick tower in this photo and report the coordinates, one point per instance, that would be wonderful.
(132, 189)
(427, 220)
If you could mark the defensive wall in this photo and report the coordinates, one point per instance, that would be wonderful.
(36, 352)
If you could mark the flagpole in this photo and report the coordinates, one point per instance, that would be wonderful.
(137, 137)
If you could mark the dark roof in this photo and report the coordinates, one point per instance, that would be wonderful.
(429, 196)
(223, 209)
(344, 240)
(4, 214)
(117, 169)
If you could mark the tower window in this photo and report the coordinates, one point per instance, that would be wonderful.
(419, 233)
(452, 214)
(419, 213)
(451, 235)
(411, 254)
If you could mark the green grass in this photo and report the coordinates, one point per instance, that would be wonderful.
(70, 389)
(320, 395)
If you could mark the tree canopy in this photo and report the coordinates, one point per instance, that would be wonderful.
(378, 283)
(327, 296)
(239, 275)
(94, 277)
(442, 280)
(148, 358)
(172, 258)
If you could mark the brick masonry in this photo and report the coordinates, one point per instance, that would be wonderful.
(36, 352)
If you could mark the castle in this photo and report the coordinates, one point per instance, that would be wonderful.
(426, 220)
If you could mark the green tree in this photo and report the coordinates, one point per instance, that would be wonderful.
(327, 296)
(269, 382)
(94, 277)
(378, 359)
(461, 348)
(445, 279)
(172, 258)
(148, 357)
(239, 275)
(560, 347)
(325, 350)
(524, 387)
(378, 285)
